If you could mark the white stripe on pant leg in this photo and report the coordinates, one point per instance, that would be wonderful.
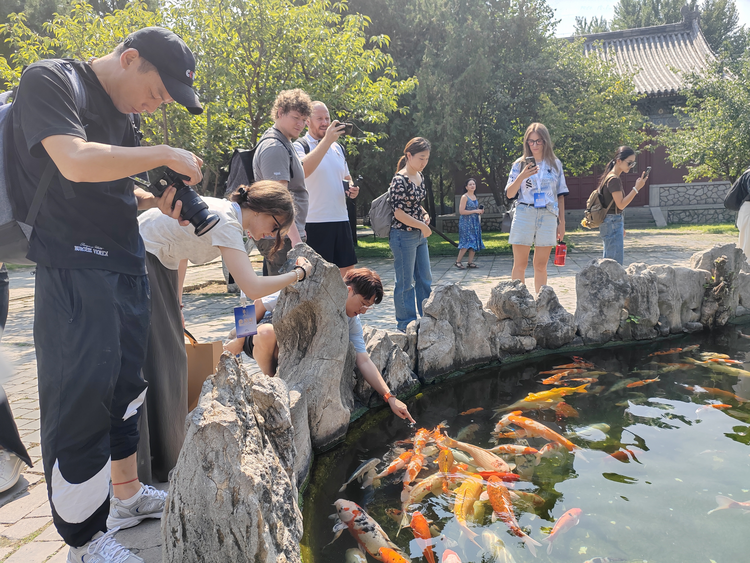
(134, 404)
(76, 503)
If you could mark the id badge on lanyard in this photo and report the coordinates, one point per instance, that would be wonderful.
(540, 199)
(244, 319)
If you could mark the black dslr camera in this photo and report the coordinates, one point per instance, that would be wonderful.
(194, 209)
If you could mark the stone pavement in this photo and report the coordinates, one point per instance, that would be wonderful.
(26, 531)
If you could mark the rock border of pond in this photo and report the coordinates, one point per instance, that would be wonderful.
(219, 510)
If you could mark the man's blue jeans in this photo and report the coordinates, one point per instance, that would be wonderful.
(411, 261)
(612, 231)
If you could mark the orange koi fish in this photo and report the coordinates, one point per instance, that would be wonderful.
(422, 533)
(420, 440)
(532, 428)
(466, 495)
(451, 557)
(726, 502)
(503, 508)
(716, 392)
(726, 361)
(666, 352)
(583, 379)
(555, 379)
(641, 382)
(388, 555)
(583, 363)
(396, 464)
(713, 406)
(471, 411)
(413, 494)
(364, 529)
(414, 467)
(513, 449)
(622, 455)
(563, 409)
(565, 523)
(555, 393)
(482, 457)
(507, 477)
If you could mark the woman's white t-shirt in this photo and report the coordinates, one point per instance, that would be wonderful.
(171, 243)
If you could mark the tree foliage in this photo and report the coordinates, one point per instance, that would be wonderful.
(713, 140)
(584, 26)
(630, 14)
(246, 52)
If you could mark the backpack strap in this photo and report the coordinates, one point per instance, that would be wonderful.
(305, 145)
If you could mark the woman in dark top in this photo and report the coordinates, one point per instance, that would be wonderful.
(612, 230)
(409, 232)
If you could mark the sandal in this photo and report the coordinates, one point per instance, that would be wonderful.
(460, 266)
(471, 265)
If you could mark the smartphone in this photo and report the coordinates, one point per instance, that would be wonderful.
(648, 171)
(348, 128)
(530, 161)
(481, 207)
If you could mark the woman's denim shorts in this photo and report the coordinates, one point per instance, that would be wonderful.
(533, 226)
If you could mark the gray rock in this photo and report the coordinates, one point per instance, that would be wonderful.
(459, 323)
(555, 327)
(412, 335)
(704, 260)
(693, 327)
(642, 304)
(743, 289)
(313, 335)
(680, 298)
(232, 496)
(721, 297)
(511, 300)
(691, 284)
(601, 290)
(392, 363)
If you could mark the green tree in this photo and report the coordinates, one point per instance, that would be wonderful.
(630, 14)
(713, 140)
(246, 52)
(585, 26)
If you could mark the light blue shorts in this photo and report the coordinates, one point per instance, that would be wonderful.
(533, 226)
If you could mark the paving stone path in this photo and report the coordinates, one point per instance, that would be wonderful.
(26, 531)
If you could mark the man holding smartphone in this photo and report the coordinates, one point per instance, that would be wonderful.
(329, 184)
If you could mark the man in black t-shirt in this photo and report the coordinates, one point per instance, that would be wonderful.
(92, 301)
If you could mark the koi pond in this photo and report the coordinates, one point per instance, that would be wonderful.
(633, 453)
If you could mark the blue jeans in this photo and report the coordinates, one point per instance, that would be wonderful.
(411, 261)
(612, 231)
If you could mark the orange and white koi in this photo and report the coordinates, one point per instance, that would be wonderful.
(716, 392)
(563, 409)
(503, 508)
(396, 464)
(466, 495)
(553, 380)
(415, 466)
(642, 382)
(482, 457)
(389, 555)
(563, 524)
(366, 531)
(421, 530)
(726, 502)
(555, 393)
(513, 449)
(726, 361)
(471, 411)
(532, 428)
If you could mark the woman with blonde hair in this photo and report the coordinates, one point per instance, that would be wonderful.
(264, 209)
(538, 181)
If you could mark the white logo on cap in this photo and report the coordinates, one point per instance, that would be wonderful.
(190, 74)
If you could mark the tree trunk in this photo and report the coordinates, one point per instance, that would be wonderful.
(165, 124)
(430, 199)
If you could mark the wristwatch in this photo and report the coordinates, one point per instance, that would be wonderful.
(387, 396)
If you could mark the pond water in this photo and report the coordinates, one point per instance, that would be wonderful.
(673, 455)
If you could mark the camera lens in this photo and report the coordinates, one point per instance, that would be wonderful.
(195, 210)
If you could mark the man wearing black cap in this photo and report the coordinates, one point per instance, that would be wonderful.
(92, 298)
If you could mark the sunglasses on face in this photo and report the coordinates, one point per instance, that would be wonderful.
(535, 142)
(632, 164)
(278, 225)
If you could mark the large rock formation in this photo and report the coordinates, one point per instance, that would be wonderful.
(392, 363)
(313, 334)
(233, 496)
(555, 327)
(516, 313)
(453, 331)
(601, 290)
(642, 304)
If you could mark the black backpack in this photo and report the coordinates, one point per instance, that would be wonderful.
(241, 167)
(17, 219)
(738, 193)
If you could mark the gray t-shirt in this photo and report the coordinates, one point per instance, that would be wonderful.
(272, 162)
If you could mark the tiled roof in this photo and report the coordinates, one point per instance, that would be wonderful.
(657, 56)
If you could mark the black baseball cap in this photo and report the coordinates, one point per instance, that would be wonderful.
(174, 61)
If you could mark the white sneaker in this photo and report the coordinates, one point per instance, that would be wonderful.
(103, 548)
(10, 469)
(149, 503)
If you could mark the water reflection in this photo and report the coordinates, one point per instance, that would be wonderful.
(659, 435)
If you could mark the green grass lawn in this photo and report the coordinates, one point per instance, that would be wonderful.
(495, 243)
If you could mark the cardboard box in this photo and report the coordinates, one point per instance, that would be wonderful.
(202, 360)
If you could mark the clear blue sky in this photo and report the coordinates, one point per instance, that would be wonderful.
(567, 10)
